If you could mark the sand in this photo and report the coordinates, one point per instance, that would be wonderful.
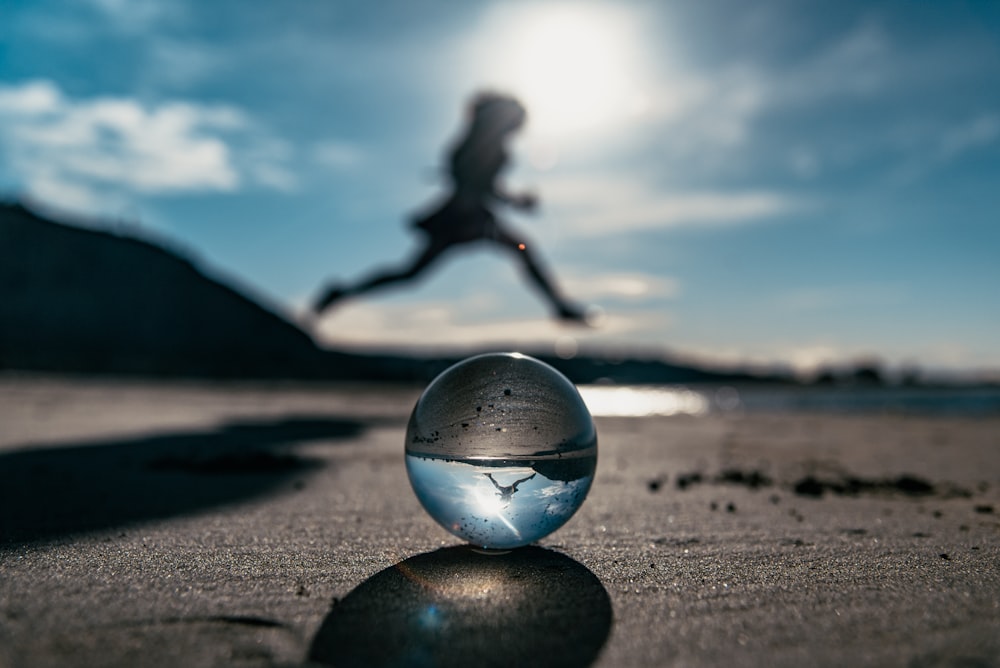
(199, 524)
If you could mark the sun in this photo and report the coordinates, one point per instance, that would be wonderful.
(573, 66)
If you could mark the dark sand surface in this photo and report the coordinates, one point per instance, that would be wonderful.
(183, 524)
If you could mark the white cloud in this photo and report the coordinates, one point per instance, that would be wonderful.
(978, 132)
(610, 206)
(136, 16)
(267, 163)
(460, 323)
(624, 286)
(83, 152)
(861, 63)
(37, 97)
(274, 176)
(932, 146)
(705, 115)
(425, 324)
(719, 105)
(338, 154)
(700, 111)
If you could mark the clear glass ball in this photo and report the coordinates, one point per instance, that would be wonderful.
(501, 450)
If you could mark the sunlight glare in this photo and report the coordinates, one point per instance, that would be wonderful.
(573, 67)
(608, 401)
(488, 502)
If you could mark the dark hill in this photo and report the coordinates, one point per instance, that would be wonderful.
(76, 299)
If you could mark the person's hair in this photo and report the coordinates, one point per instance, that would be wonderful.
(495, 112)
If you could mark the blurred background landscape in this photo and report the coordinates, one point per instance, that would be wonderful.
(785, 211)
(770, 192)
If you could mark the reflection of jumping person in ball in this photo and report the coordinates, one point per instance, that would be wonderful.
(506, 492)
(466, 215)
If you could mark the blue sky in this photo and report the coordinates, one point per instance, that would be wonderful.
(776, 181)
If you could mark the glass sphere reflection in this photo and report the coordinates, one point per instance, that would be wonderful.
(501, 450)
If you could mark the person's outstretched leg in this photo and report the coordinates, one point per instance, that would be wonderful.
(336, 292)
(564, 309)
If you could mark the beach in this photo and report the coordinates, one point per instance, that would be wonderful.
(165, 523)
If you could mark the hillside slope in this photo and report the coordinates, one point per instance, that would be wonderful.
(78, 299)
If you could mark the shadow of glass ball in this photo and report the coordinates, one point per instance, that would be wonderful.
(458, 607)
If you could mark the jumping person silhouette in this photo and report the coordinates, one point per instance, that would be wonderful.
(506, 492)
(466, 215)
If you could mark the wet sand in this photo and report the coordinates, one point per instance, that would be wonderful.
(195, 524)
